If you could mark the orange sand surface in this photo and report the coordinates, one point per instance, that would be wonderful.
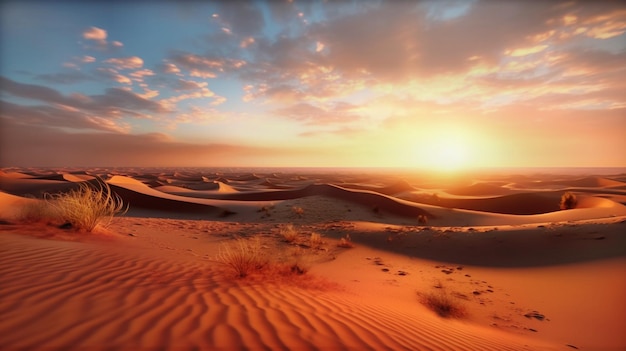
(528, 275)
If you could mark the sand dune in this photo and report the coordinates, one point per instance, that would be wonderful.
(108, 296)
(498, 244)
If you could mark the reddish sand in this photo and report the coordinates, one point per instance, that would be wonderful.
(529, 275)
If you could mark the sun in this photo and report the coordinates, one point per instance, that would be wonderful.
(449, 154)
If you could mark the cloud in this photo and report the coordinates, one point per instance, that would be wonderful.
(205, 66)
(113, 75)
(170, 68)
(113, 103)
(95, 33)
(64, 77)
(140, 74)
(328, 114)
(99, 37)
(132, 62)
(43, 146)
(87, 59)
(192, 90)
(242, 18)
(58, 116)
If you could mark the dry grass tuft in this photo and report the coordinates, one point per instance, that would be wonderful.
(345, 242)
(86, 207)
(315, 241)
(443, 304)
(289, 233)
(243, 256)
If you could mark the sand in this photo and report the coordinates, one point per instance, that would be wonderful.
(528, 275)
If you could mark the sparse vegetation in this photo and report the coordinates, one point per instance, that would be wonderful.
(316, 240)
(297, 210)
(345, 242)
(568, 201)
(422, 219)
(443, 304)
(243, 256)
(289, 233)
(297, 262)
(86, 207)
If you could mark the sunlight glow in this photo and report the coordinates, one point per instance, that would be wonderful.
(448, 155)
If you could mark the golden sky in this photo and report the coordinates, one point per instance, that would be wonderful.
(426, 84)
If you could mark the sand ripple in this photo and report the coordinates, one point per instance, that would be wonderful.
(73, 295)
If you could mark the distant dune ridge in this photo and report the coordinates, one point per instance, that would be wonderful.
(529, 275)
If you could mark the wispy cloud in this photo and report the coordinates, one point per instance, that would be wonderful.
(98, 36)
(132, 62)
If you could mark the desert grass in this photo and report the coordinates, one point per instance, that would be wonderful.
(345, 242)
(289, 233)
(442, 303)
(243, 256)
(88, 206)
(249, 257)
(315, 240)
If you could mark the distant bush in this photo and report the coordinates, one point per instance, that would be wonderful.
(568, 201)
(86, 207)
(422, 219)
(443, 304)
(297, 210)
(316, 240)
(345, 242)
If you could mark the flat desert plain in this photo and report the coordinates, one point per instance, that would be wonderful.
(364, 260)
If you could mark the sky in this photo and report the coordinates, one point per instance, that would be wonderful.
(412, 84)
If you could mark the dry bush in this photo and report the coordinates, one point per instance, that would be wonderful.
(315, 241)
(297, 262)
(568, 201)
(289, 233)
(297, 210)
(243, 256)
(422, 219)
(86, 207)
(443, 304)
(345, 242)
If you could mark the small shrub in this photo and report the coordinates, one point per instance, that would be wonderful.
(345, 242)
(297, 210)
(316, 241)
(422, 219)
(86, 207)
(289, 233)
(568, 201)
(243, 256)
(443, 304)
(297, 262)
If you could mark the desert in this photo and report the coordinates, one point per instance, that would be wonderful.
(377, 252)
